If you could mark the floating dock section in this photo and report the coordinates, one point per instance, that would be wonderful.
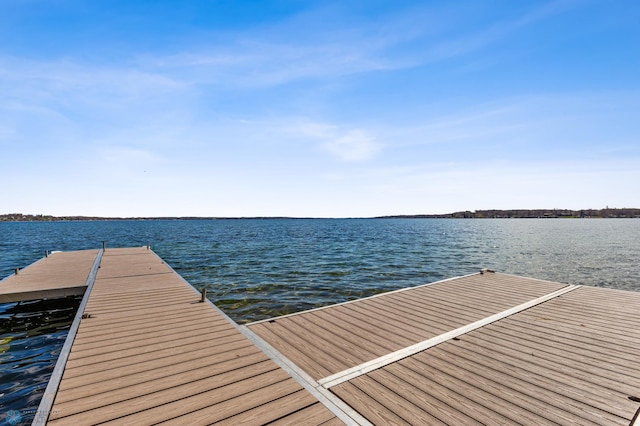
(56, 275)
(487, 348)
(484, 349)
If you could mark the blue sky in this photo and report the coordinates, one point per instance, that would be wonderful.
(322, 109)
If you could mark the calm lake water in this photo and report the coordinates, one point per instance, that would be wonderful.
(254, 269)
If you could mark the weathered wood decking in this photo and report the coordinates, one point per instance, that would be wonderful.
(482, 349)
(149, 352)
(573, 359)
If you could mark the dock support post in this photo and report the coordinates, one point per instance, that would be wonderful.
(46, 253)
(104, 245)
(17, 269)
(204, 295)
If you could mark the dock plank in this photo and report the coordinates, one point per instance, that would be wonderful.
(142, 408)
(559, 407)
(119, 334)
(368, 405)
(565, 341)
(300, 350)
(277, 406)
(111, 391)
(150, 352)
(312, 415)
(114, 380)
(602, 398)
(427, 378)
(229, 398)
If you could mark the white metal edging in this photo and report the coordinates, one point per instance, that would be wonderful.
(374, 364)
(334, 404)
(46, 403)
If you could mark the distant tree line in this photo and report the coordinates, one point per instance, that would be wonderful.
(19, 217)
(533, 214)
(476, 214)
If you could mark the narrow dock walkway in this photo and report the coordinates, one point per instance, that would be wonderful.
(147, 352)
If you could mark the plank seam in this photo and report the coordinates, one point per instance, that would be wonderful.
(374, 364)
(179, 374)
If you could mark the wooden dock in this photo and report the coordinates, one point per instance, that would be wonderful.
(483, 349)
(56, 275)
(487, 348)
(147, 351)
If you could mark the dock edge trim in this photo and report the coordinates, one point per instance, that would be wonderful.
(46, 403)
(337, 406)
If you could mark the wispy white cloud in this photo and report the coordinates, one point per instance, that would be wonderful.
(324, 48)
(268, 56)
(254, 63)
(264, 57)
(562, 126)
(479, 38)
(355, 145)
(127, 155)
(75, 79)
(341, 142)
(312, 129)
(75, 103)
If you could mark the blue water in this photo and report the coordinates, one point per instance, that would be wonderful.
(254, 269)
(259, 268)
(31, 337)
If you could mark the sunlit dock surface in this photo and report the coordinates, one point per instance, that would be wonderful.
(148, 351)
(487, 348)
(472, 350)
(57, 275)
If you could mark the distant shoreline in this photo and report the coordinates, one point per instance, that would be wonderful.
(623, 213)
(616, 213)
